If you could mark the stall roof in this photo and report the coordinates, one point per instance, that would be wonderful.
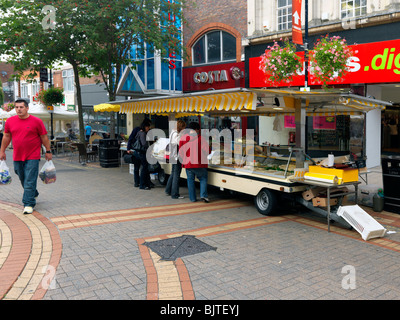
(240, 101)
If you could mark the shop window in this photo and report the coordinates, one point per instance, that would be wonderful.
(213, 47)
(353, 8)
(391, 131)
(284, 14)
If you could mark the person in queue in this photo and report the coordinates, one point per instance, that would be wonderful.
(172, 187)
(193, 152)
(135, 160)
(27, 134)
(144, 178)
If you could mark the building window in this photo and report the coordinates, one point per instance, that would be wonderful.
(24, 91)
(284, 14)
(213, 47)
(353, 8)
(35, 87)
(68, 80)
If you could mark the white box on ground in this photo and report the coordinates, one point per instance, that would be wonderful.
(360, 220)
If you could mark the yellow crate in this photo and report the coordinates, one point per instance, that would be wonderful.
(346, 174)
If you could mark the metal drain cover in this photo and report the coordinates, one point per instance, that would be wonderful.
(171, 249)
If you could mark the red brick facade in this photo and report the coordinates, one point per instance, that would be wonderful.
(206, 15)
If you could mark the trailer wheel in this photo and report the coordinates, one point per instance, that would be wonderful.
(265, 202)
(162, 177)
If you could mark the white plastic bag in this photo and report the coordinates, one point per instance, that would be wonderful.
(48, 172)
(5, 177)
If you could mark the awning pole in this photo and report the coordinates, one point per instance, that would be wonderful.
(300, 121)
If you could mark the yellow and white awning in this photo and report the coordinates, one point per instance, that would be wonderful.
(190, 104)
(107, 107)
(254, 102)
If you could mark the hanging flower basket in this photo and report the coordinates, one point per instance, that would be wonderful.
(8, 106)
(51, 96)
(328, 59)
(280, 63)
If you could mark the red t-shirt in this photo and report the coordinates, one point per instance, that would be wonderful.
(25, 135)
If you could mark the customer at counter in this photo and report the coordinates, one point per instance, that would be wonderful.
(193, 152)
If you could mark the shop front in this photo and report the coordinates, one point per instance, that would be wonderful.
(374, 71)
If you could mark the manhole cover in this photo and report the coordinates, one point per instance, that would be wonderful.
(171, 249)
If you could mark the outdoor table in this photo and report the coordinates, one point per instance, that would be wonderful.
(328, 187)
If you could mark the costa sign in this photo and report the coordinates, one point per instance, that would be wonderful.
(376, 62)
(220, 76)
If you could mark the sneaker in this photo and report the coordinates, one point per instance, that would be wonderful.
(28, 210)
(178, 197)
(206, 200)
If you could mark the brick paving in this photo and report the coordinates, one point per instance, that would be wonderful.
(91, 225)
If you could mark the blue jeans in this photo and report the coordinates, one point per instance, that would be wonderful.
(28, 172)
(202, 175)
(172, 187)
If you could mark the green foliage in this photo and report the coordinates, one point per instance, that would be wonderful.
(51, 96)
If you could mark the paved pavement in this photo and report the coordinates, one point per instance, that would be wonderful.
(90, 233)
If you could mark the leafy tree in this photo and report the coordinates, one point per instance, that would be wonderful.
(128, 24)
(36, 34)
(91, 35)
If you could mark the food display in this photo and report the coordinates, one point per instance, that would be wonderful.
(248, 155)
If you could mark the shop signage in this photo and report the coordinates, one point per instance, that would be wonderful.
(220, 76)
(297, 34)
(377, 62)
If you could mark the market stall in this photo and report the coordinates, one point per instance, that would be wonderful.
(268, 172)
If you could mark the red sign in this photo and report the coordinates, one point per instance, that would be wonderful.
(297, 35)
(221, 76)
(324, 123)
(376, 62)
(290, 122)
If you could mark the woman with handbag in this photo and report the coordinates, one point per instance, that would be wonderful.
(172, 188)
(140, 147)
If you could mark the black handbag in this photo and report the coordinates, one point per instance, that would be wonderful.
(137, 146)
(128, 158)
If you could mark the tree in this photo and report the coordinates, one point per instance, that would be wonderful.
(128, 24)
(91, 35)
(37, 34)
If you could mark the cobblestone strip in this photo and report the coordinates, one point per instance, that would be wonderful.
(170, 280)
(100, 218)
(33, 257)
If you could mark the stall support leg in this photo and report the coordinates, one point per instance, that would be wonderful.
(329, 208)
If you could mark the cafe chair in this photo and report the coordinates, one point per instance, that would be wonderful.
(85, 154)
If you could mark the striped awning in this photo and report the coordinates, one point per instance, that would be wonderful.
(193, 104)
(107, 107)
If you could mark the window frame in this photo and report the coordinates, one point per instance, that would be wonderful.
(344, 13)
(68, 80)
(221, 50)
(287, 25)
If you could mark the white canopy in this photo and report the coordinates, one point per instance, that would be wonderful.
(41, 112)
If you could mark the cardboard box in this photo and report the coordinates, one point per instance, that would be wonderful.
(312, 193)
(323, 202)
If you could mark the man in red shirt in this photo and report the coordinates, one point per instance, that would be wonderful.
(27, 134)
(193, 152)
